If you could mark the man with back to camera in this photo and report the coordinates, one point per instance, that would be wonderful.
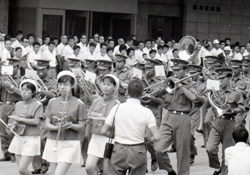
(129, 150)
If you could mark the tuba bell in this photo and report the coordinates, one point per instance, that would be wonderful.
(188, 49)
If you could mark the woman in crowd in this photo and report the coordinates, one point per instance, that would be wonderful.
(100, 108)
(27, 116)
(65, 117)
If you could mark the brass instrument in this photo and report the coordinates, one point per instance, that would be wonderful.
(188, 49)
(170, 83)
(218, 100)
(8, 78)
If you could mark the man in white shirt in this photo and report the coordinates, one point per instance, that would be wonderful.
(50, 54)
(62, 45)
(6, 52)
(17, 43)
(237, 157)
(216, 50)
(34, 55)
(116, 49)
(31, 39)
(147, 47)
(68, 49)
(131, 121)
(2, 44)
(46, 44)
(83, 45)
(139, 51)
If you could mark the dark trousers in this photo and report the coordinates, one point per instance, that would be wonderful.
(175, 128)
(131, 158)
(207, 125)
(195, 122)
(5, 137)
(221, 132)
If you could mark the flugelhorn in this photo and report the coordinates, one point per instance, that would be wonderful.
(8, 78)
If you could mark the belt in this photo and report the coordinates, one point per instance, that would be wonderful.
(228, 116)
(139, 144)
(178, 112)
(52, 67)
(9, 102)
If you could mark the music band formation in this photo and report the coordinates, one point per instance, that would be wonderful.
(52, 115)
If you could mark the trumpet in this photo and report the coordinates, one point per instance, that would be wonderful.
(170, 83)
(8, 78)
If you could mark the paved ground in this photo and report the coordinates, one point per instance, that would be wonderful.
(200, 166)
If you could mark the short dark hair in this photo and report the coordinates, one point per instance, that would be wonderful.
(152, 51)
(103, 44)
(165, 46)
(83, 34)
(52, 42)
(240, 134)
(148, 40)
(159, 47)
(17, 48)
(109, 40)
(76, 47)
(222, 41)
(71, 37)
(135, 88)
(242, 46)
(92, 44)
(109, 48)
(31, 87)
(122, 47)
(30, 35)
(36, 43)
(129, 50)
(19, 32)
(174, 50)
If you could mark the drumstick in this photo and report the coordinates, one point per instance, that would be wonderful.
(18, 136)
(62, 118)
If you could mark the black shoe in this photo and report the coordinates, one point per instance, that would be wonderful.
(202, 146)
(36, 171)
(199, 131)
(45, 168)
(172, 150)
(172, 173)
(83, 165)
(217, 172)
(192, 157)
(154, 166)
(5, 158)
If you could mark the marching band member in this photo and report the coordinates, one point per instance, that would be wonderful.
(175, 125)
(246, 67)
(154, 104)
(195, 113)
(10, 94)
(27, 116)
(39, 165)
(101, 107)
(224, 125)
(65, 117)
(123, 74)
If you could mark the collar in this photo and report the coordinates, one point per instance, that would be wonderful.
(108, 99)
(228, 88)
(46, 78)
(121, 70)
(241, 144)
(237, 78)
(133, 101)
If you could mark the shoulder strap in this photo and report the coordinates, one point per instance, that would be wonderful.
(113, 127)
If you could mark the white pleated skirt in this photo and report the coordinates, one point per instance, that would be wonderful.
(26, 146)
(97, 145)
(66, 151)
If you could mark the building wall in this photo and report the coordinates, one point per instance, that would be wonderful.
(230, 18)
(4, 15)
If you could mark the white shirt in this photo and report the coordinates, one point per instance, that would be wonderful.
(216, 52)
(116, 50)
(29, 48)
(51, 56)
(97, 48)
(131, 121)
(44, 47)
(33, 56)
(5, 56)
(16, 44)
(138, 55)
(237, 158)
(89, 56)
(238, 56)
(60, 48)
(2, 46)
(67, 51)
(83, 50)
(161, 57)
(146, 51)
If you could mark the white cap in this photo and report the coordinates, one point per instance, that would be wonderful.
(29, 81)
(116, 82)
(227, 48)
(68, 73)
(216, 41)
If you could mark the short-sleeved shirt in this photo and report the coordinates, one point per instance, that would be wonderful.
(51, 85)
(74, 112)
(28, 111)
(5, 55)
(131, 121)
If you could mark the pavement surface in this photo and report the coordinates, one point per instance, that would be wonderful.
(200, 166)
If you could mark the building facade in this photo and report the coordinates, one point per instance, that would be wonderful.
(203, 19)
